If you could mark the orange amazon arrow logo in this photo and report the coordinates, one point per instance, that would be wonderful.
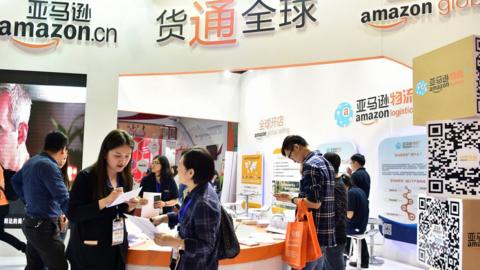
(369, 123)
(54, 42)
(402, 21)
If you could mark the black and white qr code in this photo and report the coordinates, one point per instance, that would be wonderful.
(477, 72)
(387, 229)
(454, 157)
(439, 233)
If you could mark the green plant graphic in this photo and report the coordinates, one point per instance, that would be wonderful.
(72, 132)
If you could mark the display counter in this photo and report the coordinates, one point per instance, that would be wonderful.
(262, 256)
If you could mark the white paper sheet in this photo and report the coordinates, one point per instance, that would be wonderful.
(267, 237)
(247, 241)
(147, 210)
(144, 225)
(126, 197)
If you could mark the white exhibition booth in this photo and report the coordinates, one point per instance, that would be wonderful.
(306, 97)
(301, 75)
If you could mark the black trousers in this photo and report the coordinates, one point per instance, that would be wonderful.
(6, 237)
(365, 256)
(44, 246)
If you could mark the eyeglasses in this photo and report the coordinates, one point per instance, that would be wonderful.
(156, 162)
(290, 154)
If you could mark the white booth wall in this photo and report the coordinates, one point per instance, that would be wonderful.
(211, 96)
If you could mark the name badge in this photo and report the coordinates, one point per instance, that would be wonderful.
(117, 231)
(175, 253)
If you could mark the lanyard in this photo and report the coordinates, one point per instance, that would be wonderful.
(157, 186)
(119, 184)
(181, 215)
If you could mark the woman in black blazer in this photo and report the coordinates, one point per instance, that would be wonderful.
(98, 237)
(160, 180)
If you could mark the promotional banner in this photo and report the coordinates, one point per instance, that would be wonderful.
(286, 178)
(148, 144)
(344, 149)
(252, 180)
(144, 150)
(402, 176)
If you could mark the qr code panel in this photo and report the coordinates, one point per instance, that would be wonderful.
(453, 158)
(439, 234)
(387, 229)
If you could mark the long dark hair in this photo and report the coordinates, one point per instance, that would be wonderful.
(64, 170)
(114, 139)
(165, 170)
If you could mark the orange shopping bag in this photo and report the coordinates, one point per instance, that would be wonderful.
(295, 244)
(312, 246)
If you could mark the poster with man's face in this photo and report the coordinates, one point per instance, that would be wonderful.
(28, 112)
(12, 133)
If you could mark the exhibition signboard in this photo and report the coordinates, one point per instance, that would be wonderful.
(447, 82)
(402, 176)
(252, 180)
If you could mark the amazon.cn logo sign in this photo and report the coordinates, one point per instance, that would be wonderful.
(49, 22)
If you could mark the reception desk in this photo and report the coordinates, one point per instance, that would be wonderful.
(263, 256)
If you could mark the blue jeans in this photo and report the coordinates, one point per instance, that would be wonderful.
(317, 264)
(334, 257)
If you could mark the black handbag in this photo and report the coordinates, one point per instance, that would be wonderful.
(229, 246)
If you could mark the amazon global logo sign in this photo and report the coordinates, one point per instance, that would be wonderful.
(398, 16)
(392, 17)
(50, 22)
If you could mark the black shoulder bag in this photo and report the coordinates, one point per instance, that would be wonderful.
(229, 246)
